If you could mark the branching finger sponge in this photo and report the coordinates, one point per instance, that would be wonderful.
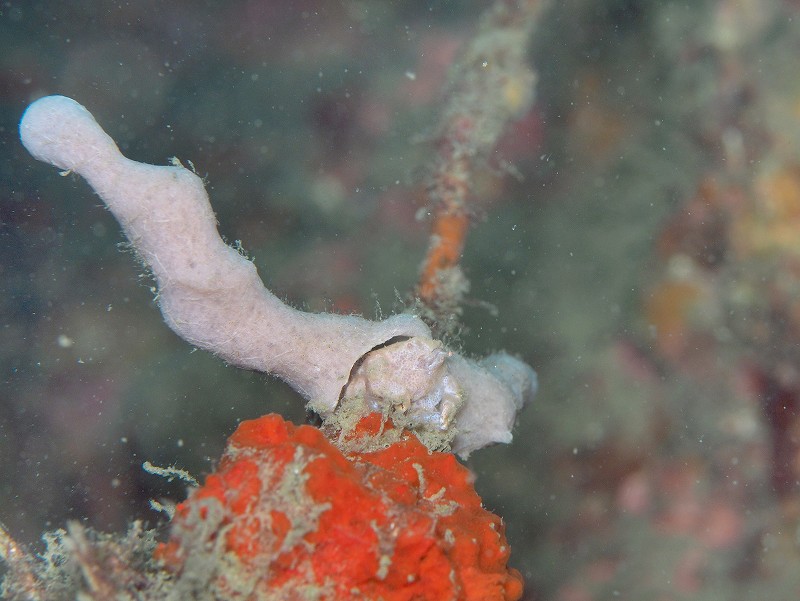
(212, 296)
(209, 293)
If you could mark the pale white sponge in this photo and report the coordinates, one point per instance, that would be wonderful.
(208, 292)
(212, 296)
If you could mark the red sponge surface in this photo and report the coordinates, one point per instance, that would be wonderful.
(288, 516)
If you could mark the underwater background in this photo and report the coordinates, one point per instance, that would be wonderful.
(636, 239)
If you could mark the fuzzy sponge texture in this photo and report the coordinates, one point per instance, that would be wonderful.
(212, 296)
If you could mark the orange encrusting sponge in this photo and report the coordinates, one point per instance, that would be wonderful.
(291, 517)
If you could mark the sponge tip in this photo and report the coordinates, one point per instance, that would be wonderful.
(62, 132)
